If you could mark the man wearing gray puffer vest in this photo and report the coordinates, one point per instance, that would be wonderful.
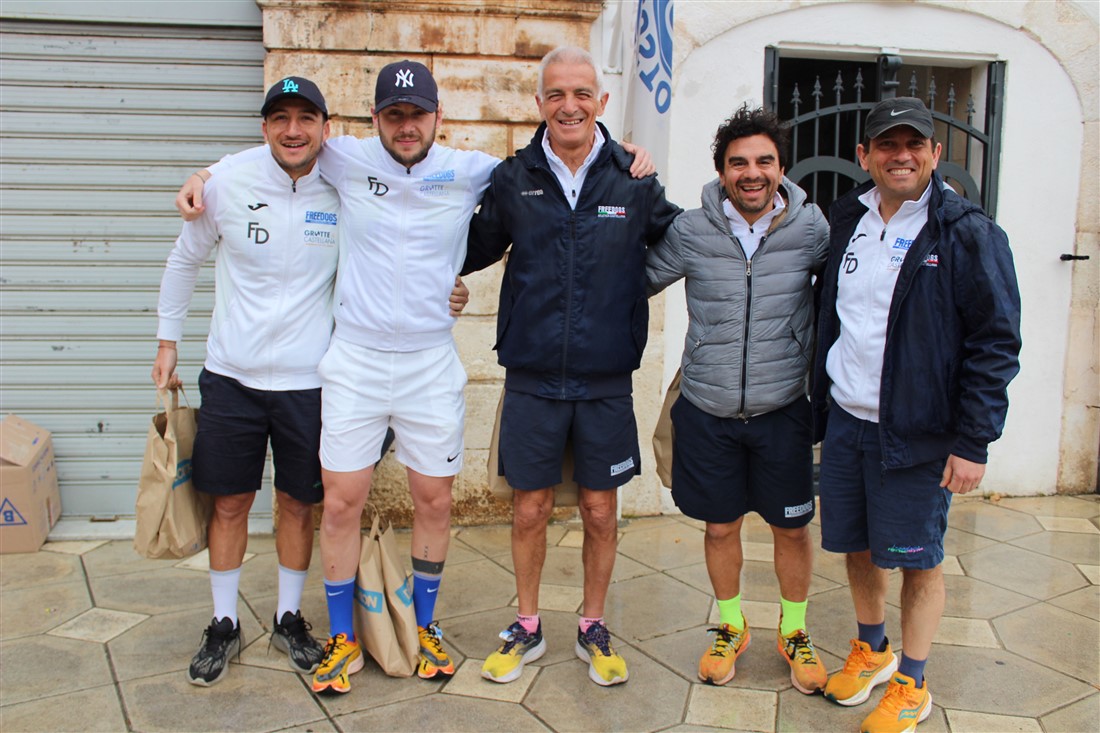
(742, 425)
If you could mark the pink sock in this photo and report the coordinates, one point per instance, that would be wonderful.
(529, 623)
(586, 622)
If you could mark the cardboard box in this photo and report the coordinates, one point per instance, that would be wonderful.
(30, 501)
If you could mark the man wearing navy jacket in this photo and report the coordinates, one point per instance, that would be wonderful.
(919, 336)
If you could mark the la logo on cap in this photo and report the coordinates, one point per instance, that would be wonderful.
(404, 78)
(290, 86)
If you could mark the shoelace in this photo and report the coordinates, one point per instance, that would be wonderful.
(212, 636)
(800, 646)
(857, 661)
(723, 641)
(435, 638)
(513, 635)
(896, 697)
(598, 635)
(332, 647)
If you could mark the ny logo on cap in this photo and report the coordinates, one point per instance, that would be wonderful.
(289, 86)
(404, 78)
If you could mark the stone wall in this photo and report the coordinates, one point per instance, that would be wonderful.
(484, 57)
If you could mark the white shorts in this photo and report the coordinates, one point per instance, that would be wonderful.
(418, 393)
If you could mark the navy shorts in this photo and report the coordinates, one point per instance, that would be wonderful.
(724, 467)
(900, 515)
(534, 430)
(235, 423)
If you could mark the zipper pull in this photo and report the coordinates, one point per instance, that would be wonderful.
(748, 268)
(882, 237)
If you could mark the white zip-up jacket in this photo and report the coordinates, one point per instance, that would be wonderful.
(404, 232)
(275, 269)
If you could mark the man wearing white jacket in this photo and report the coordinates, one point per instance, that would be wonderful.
(274, 225)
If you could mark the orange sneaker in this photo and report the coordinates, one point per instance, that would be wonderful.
(863, 670)
(342, 659)
(434, 661)
(808, 674)
(901, 708)
(717, 664)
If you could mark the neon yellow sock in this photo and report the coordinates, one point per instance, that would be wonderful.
(794, 617)
(729, 612)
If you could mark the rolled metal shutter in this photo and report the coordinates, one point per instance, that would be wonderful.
(99, 125)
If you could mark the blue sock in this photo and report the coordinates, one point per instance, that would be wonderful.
(340, 595)
(425, 591)
(912, 668)
(874, 635)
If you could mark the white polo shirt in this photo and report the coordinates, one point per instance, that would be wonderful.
(865, 288)
(571, 183)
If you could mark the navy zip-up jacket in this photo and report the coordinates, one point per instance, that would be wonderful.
(952, 334)
(573, 318)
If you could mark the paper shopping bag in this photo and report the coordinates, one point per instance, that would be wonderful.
(565, 494)
(172, 516)
(385, 621)
(663, 435)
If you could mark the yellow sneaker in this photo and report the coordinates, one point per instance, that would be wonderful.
(434, 661)
(863, 670)
(605, 666)
(716, 666)
(807, 672)
(901, 708)
(519, 647)
(342, 659)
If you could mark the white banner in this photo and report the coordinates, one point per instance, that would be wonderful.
(649, 86)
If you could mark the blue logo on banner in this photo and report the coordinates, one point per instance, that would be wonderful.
(9, 515)
(653, 46)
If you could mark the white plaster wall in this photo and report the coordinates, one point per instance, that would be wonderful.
(1039, 179)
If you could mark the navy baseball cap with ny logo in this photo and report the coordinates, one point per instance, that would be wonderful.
(405, 81)
(294, 86)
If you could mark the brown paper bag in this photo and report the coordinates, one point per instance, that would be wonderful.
(565, 494)
(663, 435)
(172, 516)
(385, 621)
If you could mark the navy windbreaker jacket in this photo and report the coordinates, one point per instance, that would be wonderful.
(573, 317)
(952, 335)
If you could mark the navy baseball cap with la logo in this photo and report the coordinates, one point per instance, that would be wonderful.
(891, 113)
(294, 86)
(405, 81)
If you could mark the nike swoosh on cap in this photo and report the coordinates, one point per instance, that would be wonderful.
(896, 112)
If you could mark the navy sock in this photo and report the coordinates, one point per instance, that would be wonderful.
(874, 635)
(340, 595)
(912, 668)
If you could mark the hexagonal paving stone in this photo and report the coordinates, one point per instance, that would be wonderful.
(1079, 716)
(665, 546)
(37, 610)
(1081, 549)
(1022, 571)
(118, 557)
(729, 707)
(1057, 638)
(1051, 506)
(474, 586)
(653, 605)
(997, 681)
(29, 667)
(444, 712)
(987, 520)
(35, 569)
(652, 699)
(1085, 602)
(972, 598)
(90, 711)
(964, 721)
(166, 642)
(246, 699)
(99, 624)
(157, 591)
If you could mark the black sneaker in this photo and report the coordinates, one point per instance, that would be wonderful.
(220, 641)
(291, 635)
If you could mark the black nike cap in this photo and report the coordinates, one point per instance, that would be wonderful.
(890, 113)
